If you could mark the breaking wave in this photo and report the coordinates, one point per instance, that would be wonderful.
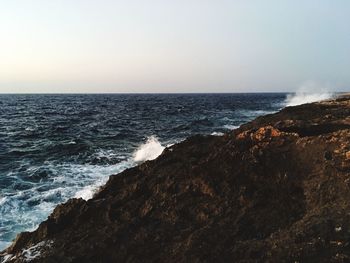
(148, 151)
(56, 147)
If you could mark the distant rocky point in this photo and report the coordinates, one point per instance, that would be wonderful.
(276, 189)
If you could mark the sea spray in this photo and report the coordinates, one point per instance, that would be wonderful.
(309, 92)
(301, 98)
(148, 151)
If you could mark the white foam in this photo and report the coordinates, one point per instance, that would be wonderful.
(29, 254)
(7, 258)
(149, 150)
(86, 193)
(2, 200)
(109, 154)
(34, 252)
(217, 133)
(230, 127)
(29, 207)
(254, 113)
(100, 179)
(30, 129)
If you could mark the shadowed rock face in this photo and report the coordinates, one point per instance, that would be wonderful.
(275, 190)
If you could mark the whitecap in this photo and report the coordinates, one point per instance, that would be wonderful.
(30, 129)
(230, 127)
(217, 133)
(2, 200)
(254, 113)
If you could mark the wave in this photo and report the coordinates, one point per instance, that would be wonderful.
(52, 183)
(230, 127)
(254, 113)
(25, 208)
(217, 133)
(100, 177)
(72, 150)
(149, 150)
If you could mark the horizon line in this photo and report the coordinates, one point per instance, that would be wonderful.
(150, 93)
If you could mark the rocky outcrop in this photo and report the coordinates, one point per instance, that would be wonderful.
(275, 190)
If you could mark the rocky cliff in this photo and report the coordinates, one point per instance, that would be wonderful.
(275, 190)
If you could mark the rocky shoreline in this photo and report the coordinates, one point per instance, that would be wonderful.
(276, 189)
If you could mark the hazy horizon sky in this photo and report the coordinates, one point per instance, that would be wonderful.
(173, 46)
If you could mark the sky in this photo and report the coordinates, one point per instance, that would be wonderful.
(94, 46)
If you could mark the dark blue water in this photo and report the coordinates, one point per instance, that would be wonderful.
(54, 147)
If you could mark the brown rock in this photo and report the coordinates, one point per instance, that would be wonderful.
(274, 190)
(347, 155)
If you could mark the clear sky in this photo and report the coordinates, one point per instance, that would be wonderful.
(173, 45)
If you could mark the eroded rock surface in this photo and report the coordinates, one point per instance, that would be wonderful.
(275, 190)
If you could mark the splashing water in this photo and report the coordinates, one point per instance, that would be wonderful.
(56, 147)
(149, 151)
(301, 98)
(308, 92)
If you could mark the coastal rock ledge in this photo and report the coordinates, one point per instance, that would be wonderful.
(276, 189)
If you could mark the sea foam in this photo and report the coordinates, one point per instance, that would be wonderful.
(28, 207)
(99, 177)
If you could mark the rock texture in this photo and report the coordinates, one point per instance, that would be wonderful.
(275, 190)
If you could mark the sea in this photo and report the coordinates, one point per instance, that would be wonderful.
(56, 147)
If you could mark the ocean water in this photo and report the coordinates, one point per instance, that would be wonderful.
(55, 147)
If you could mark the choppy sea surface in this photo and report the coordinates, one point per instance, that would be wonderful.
(55, 147)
